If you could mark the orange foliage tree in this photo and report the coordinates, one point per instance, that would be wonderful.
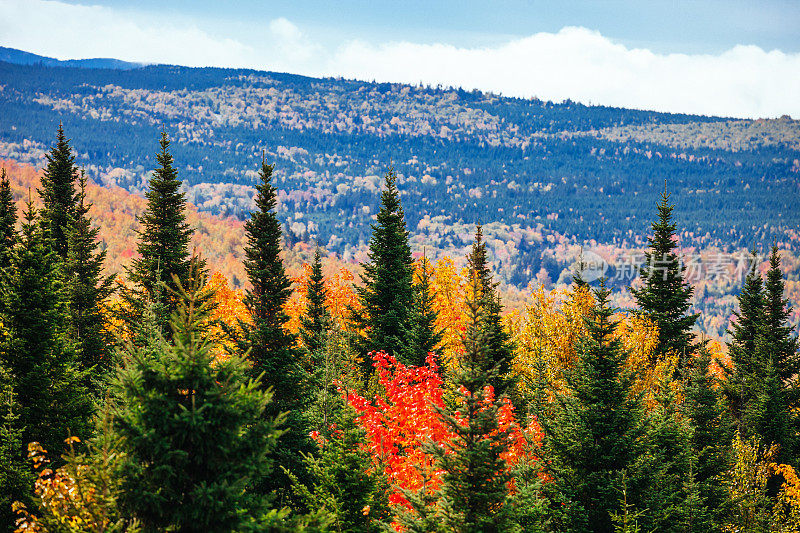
(399, 422)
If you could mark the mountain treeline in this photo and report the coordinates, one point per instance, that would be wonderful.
(408, 402)
(461, 157)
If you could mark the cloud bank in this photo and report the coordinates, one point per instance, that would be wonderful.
(575, 63)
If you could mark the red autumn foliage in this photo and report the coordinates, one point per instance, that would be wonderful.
(398, 423)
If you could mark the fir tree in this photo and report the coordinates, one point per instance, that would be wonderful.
(424, 336)
(473, 491)
(777, 332)
(8, 221)
(711, 430)
(664, 472)
(163, 243)
(765, 360)
(16, 478)
(776, 349)
(265, 340)
(58, 194)
(769, 415)
(665, 296)
(44, 371)
(741, 380)
(315, 323)
(499, 348)
(194, 431)
(344, 484)
(87, 288)
(387, 295)
(593, 430)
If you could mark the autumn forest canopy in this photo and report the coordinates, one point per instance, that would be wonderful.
(156, 395)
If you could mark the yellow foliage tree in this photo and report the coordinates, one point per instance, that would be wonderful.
(546, 334)
(79, 497)
(449, 287)
(747, 481)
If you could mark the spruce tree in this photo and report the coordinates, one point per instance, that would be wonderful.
(769, 415)
(711, 431)
(593, 430)
(194, 431)
(387, 295)
(670, 498)
(314, 324)
(343, 483)
(765, 359)
(87, 287)
(499, 349)
(665, 296)
(265, 340)
(474, 473)
(58, 194)
(8, 221)
(777, 332)
(16, 477)
(742, 379)
(776, 349)
(163, 243)
(424, 336)
(45, 373)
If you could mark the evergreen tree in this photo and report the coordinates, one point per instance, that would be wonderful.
(769, 414)
(194, 431)
(669, 493)
(315, 323)
(268, 345)
(665, 296)
(8, 221)
(593, 430)
(58, 193)
(44, 371)
(742, 379)
(765, 361)
(777, 332)
(424, 336)
(16, 478)
(387, 295)
(473, 491)
(344, 485)
(499, 350)
(777, 350)
(711, 430)
(87, 287)
(163, 243)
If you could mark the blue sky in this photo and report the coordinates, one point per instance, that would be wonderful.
(729, 58)
(696, 26)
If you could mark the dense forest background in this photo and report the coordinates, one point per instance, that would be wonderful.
(545, 179)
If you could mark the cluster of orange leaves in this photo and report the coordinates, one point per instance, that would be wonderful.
(340, 297)
(75, 497)
(788, 507)
(400, 422)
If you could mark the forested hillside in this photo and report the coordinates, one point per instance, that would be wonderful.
(406, 399)
(538, 170)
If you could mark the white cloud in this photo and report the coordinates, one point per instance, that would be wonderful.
(574, 63)
(69, 31)
(583, 65)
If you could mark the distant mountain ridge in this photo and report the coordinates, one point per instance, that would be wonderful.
(20, 57)
(543, 177)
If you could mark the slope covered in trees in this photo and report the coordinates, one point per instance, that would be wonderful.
(461, 157)
(263, 410)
